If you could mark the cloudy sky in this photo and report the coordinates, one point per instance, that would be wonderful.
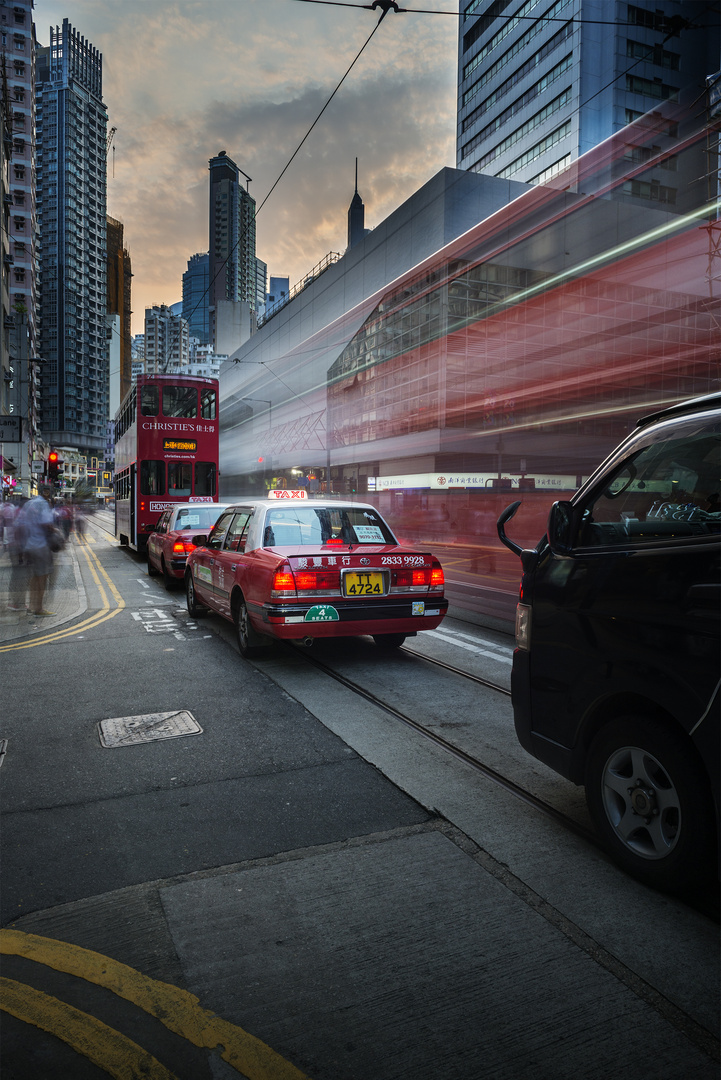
(183, 79)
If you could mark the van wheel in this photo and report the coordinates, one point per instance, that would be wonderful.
(389, 641)
(250, 642)
(650, 804)
(195, 609)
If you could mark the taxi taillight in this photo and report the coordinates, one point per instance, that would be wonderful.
(317, 580)
(427, 577)
(283, 582)
(181, 547)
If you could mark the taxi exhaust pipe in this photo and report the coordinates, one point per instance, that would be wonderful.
(306, 642)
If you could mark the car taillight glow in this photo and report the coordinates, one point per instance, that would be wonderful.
(283, 582)
(317, 580)
(427, 577)
(180, 547)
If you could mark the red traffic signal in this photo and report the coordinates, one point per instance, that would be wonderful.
(54, 466)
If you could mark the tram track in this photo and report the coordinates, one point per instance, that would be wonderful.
(467, 758)
(458, 671)
(706, 904)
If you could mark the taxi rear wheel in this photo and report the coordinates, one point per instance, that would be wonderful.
(389, 641)
(168, 579)
(250, 642)
(194, 608)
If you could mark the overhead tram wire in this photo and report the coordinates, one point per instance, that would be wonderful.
(386, 6)
(678, 22)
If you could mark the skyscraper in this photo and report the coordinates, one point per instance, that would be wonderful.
(166, 340)
(17, 40)
(539, 84)
(233, 271)
(71, 182)
(195, 296)
(119, 308)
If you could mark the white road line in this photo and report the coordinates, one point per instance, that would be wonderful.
(471, 648)
(446, 631)
(143, 583)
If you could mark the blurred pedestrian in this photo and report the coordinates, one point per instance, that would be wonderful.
(80, 521)
(64, 519)
(37, 524)
(18, 569)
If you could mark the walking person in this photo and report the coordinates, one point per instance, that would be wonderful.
(18, 570)
(37, 523)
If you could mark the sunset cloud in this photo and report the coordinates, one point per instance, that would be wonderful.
(183, 80)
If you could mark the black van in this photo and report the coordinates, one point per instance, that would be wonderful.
(617, 663)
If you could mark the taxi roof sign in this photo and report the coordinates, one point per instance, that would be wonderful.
(286, 493)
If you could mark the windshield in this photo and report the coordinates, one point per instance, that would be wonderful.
(309, 526)
(197, 517)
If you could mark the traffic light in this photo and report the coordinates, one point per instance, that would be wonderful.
(54, 467)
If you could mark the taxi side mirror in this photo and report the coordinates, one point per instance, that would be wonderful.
(201, 540)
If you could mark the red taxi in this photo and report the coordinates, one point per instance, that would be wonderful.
(291, 567)
(170, 542)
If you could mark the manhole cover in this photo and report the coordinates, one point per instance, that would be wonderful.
(126, 730)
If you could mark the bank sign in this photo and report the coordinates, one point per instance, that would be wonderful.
(445, 481)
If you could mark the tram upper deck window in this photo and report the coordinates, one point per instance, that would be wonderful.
(180, 401)
(207, 404)
(149, 401)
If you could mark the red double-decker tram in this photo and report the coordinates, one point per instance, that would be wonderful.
(166, 451)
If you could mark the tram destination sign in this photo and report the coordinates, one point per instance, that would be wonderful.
(189, 445)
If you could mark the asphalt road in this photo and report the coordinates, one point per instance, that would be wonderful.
(299, 887)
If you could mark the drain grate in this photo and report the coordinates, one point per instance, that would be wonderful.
(127, 730)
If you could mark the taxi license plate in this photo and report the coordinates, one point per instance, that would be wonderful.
(363, 583)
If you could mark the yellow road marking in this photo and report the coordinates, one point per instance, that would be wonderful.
(114, 1053)
(103, 615)
(178, 1010)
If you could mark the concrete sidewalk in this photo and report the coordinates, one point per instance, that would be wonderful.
(65, 596)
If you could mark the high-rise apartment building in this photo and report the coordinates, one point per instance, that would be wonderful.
(167, 346)
(261, 285)
(540, 82)
(233, 270)
(119, 308)
(18, 46)
(195, 296)
(71, 180)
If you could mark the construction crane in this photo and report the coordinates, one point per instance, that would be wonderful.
(109, 142)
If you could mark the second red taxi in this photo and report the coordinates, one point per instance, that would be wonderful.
(294, 568)
(170, 542)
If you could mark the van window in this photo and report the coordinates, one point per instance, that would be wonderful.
(666, 489)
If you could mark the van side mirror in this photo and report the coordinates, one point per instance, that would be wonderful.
(560, 528)
(528, 556)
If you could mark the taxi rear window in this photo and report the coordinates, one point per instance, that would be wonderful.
(310, 526)
(196, 518)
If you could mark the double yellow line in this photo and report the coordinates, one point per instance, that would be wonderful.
(111, 1051)
(102, 615)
